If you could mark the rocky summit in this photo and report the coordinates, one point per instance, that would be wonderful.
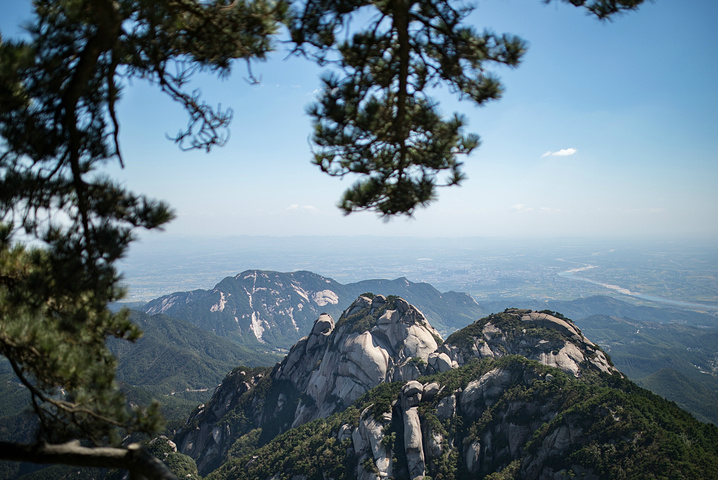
(546, 337)
(375, 341)
(519, 392)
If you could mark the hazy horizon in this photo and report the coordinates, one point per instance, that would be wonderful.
(678, 271)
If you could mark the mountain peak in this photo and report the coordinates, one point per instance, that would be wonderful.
(545, 336)
(377, 339)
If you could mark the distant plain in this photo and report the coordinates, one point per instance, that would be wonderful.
(642, 271)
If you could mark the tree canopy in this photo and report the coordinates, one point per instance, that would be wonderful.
(375, 120)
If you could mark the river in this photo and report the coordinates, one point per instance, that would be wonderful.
(570, 274)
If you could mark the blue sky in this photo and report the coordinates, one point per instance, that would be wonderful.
(606, 129)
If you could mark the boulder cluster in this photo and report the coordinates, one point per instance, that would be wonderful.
(385, 339)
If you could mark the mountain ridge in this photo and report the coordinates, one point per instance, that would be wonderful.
(263, 307)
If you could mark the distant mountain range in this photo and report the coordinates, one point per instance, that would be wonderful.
(276, 309)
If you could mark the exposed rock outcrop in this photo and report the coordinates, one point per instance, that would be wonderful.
(368, 443)
(413, 444)
(549, 339)
(376, 340)
(205, 438)
(478, 428)
(428, 420)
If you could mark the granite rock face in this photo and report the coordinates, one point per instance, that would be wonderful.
(368, 444)
(206, 438)
(427, 444)
(546, 338)
(376, 340)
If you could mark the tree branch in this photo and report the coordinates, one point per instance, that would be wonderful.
(37, 393)
(401, 24)
(134, 458)
(103, 40)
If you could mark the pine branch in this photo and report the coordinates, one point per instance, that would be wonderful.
(401, 23)
(103, 40)
(134, 458)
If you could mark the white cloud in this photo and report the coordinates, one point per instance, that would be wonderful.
(564, 152)
(301, 208)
